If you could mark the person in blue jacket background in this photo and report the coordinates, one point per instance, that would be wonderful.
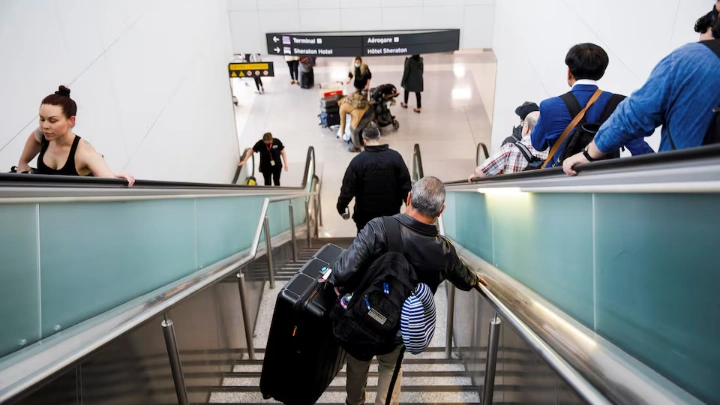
(586, 65)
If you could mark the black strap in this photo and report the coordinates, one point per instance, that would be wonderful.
(714, 45)
(525, 151)
(573, 105)
(396, 372)
(612, 104)
(392, 232)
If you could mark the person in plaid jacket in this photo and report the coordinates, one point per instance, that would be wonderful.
(510, 158)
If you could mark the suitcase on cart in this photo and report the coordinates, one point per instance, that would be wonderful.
(302, 357)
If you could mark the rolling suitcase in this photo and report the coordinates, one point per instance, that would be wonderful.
(330, 102)
(329, 119)
(329, 253)
(302, 357)
(307, 79)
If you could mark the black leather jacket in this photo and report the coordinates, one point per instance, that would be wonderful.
(432, 256)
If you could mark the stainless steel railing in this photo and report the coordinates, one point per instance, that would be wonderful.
(24, 369)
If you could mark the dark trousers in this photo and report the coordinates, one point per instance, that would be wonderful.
(418, 97)
(294, 65)
(272, 175)
(258, 83)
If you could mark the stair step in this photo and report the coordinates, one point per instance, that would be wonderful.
(338, 397)
(341, 388)
(407, 382)
(253, 368)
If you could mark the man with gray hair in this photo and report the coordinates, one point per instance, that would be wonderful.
(433, 257)
(513, 156)
(377, 178)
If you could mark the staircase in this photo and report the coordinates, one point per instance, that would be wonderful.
(428, 378)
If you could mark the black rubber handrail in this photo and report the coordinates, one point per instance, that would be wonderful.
(481, 146)
(39, 180)
(417, 163)
(676, 156)
(240, 167)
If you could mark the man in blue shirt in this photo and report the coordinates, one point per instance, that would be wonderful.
(680, 95)
(586, 65)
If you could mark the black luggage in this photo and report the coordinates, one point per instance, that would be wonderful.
(302, 357)
(328, 119)
(307, 79)
(330, 102)
(329, 253)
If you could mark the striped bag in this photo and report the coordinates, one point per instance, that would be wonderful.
(417, 319)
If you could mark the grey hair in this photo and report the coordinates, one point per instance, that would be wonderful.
(371, 133)
(531, 120)
(428, 196)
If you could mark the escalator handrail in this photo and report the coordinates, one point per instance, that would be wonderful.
(596, 369)
(240, 167)
(479, 159)
(643, 162)
(24, 369)
(74, 186)
(417, 162)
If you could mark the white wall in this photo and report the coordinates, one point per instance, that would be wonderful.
(250, 20)
(149, 77)
(533, 36)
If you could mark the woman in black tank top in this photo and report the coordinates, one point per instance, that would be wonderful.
(60, 151)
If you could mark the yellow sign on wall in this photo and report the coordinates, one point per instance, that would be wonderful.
(257, 69)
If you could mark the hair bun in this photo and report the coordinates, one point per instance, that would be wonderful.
(63, 91)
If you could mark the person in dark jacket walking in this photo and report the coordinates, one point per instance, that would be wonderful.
(412, 80)
(433, 258)
(377, 178)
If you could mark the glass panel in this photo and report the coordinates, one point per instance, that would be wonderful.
(640, 269)
(19, 278)
(97, 256)
(657, 281)
(531, 243)
(225, 226)
(472, 224)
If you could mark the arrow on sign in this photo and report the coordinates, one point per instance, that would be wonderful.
(277, 50)
(276, 39)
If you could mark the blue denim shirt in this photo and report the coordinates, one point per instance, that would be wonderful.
(679, 95)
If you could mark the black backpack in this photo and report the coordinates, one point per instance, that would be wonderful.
(516, 135)
(585, 132)
(369, 324)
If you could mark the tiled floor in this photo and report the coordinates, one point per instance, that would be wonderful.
(457, 111)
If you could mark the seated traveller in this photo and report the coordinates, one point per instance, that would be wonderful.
(586, 65)
(680, 95)
(59, 150)
(515, 156)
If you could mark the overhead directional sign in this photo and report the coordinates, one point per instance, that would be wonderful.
(253, 69)
(363, 43)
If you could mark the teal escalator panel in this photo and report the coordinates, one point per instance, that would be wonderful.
(95, 256)
(477, 233)
(19, 278)
(519, 233)
(657, 283)
(226, 226)
(639, 269)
